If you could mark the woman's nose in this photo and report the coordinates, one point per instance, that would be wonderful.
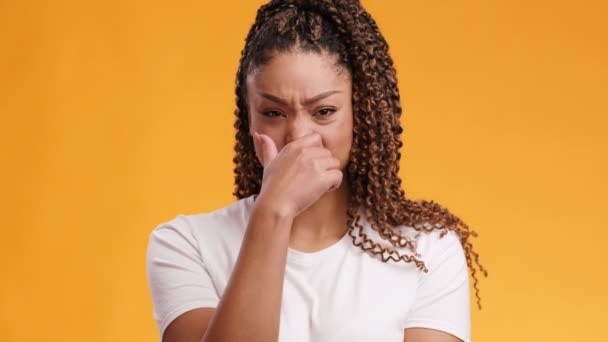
(297, 127)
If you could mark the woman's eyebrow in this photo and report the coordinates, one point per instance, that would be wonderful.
(306, 102)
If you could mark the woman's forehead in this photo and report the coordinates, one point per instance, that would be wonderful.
(281, 61)
(299, 70)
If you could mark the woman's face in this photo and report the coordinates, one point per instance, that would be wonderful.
(299, 93)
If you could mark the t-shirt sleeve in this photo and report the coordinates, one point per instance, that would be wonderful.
(443, 298)
(177, 276)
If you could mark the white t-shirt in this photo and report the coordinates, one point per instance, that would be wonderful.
(340, 293)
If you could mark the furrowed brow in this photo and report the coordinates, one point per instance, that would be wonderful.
(306, 102)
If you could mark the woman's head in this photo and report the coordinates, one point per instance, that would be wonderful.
(299, 49)
(326, 45)
(298, 93)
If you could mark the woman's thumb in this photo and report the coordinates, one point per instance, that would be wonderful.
(269, 149)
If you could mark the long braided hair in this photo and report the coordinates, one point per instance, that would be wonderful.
(345, 29)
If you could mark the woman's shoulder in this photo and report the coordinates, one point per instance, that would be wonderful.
(436, 241)
(225, 222)
(235, 214)
(437, 248)
(428, 244)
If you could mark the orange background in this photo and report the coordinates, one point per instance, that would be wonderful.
(117, 115)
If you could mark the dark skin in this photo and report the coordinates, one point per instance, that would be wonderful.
(295, 95)
(300, 100)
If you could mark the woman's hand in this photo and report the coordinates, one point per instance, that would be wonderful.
(298, 175)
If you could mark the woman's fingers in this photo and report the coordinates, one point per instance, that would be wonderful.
(300, 173)
(326, 163)
(269, 149)
(312, 139)
(333, 179)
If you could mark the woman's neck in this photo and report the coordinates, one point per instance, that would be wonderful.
(324, 222)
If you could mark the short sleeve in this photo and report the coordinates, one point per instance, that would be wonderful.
(443, 298)
(177, 276)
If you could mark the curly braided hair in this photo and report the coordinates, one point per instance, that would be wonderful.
(345, 29)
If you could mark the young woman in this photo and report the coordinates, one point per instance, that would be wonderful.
(321, 243)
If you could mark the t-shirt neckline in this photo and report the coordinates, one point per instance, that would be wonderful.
(313, 258)
(295, 257)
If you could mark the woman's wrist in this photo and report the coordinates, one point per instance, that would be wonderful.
(275, 209)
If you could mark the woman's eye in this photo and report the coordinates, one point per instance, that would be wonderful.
(326, 111)
(272, 113)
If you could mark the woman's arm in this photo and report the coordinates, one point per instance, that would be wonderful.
(249, 309)
(428, 335)
(441, 309)
(250, 306)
